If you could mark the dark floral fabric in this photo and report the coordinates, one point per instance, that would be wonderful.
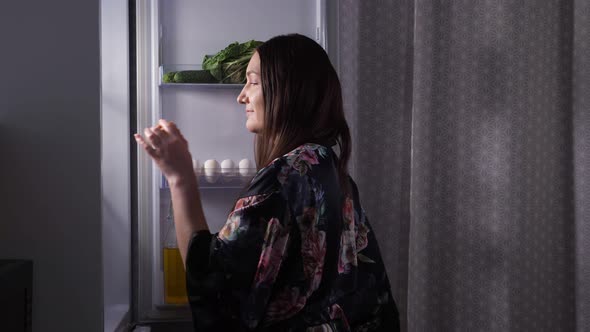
(296, 254)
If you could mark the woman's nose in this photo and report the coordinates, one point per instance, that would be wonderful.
(241, 98)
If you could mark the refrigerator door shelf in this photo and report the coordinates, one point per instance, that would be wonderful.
(216, 179)
(167, 69)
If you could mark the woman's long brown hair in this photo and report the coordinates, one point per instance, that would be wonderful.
(303, 101)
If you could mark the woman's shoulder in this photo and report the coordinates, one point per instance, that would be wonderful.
(297, 163)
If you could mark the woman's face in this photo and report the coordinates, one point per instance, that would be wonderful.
(251, 96)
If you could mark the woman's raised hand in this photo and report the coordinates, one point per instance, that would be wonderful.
(169, 149)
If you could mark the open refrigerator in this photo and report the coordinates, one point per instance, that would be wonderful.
(175, 35)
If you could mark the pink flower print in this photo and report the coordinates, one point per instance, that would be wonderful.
(229, 231)
(348, 252)
(245, 202)
(308, 219)
(273, 250)
(302, 158)
(348, 214)
(313, 246)
(361, 237)
(300, 166)
(240, 203)
(309, 156)
(313, 251)
(348, 239)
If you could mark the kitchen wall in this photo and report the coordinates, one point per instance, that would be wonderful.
(50, 156)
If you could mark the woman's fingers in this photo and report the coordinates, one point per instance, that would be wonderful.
(159, 130)
(147, 147)
(165, 144)
(158, 136)
(170, 128)
(152, 138)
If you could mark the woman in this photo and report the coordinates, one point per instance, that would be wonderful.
(297, 252)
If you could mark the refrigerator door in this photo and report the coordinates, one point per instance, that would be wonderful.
(176, 35)
(115, 164)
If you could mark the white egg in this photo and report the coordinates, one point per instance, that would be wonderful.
(227, 166)
(211, 170)
(196, 166)
(244, 163)
(245, 167)
(211, 164)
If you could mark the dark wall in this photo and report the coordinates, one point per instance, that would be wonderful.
(50, 156)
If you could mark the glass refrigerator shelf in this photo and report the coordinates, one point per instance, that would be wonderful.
(174, 68)
(218, 179)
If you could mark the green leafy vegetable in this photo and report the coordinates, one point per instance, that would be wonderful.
(194, 76)
(169, 77)
(229, 65)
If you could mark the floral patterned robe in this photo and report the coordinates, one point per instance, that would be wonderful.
(294, 255)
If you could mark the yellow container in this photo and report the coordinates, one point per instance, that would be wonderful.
(174, 274)
(174, 277)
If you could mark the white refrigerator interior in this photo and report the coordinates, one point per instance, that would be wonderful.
(177, 34)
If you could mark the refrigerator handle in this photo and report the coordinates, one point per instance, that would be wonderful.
(321, 21)
(160, 33)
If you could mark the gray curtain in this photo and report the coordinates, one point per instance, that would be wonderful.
(471, 130)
